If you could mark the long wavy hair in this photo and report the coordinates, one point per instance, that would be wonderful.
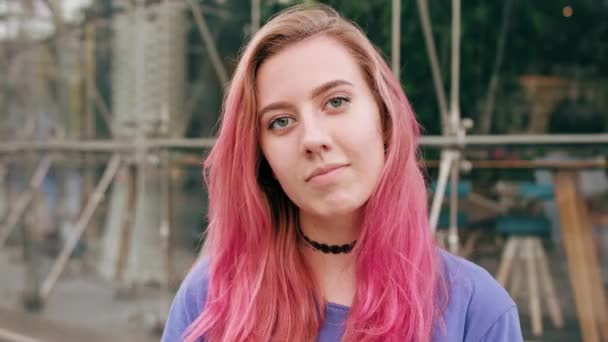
(260, 287)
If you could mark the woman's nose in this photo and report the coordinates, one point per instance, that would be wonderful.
(315, 136)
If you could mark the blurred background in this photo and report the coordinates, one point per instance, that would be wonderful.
(108, 107)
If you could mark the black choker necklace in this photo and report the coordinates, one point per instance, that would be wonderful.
(328, 249)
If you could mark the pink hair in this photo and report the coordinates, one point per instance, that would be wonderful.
(260, 287)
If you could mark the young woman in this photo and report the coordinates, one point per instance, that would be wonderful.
(317, 206)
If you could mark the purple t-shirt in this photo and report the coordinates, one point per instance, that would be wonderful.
(479, 309)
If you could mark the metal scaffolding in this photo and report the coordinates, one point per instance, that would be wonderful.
(144, 103)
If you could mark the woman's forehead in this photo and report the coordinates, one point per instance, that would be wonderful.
(298, 69)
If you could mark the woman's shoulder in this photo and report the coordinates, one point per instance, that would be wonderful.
(478, 306)
(466, 276)
(196, 281)
(188, 301)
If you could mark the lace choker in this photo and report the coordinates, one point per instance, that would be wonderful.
(328, 249)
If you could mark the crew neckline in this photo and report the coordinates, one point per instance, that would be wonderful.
(337, 306)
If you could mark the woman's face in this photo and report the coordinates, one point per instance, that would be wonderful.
(320, 127)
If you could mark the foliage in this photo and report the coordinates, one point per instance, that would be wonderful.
(540, 40)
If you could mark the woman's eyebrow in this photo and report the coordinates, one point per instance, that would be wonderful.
(274, 106)
(328, 85)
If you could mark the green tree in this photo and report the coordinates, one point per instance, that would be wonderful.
(540, 40)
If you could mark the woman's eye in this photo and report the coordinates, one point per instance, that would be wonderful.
(280, 123)
(337, 102)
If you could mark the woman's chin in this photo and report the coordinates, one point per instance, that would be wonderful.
(335, 211)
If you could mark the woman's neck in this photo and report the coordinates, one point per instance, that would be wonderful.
(334, 273)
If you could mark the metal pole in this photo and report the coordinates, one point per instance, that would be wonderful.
(423, 9)
(88, 179)
(455, 86)
(126, 227)
(89, 78)
(453, 240)
(25, 199)
(30, 298)
(214, 55)
(138, 114)
(96, 197)
(426, 141)
(255, 16)
(485, 122)
(454, 127)
(396, 39)
(4, 191)
(204, 143)
(103, 109)
(447, 159)
(165, 232)
(59, 42)
(529, 164)
(508, 140)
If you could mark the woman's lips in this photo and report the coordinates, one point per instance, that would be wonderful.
(326, 174)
